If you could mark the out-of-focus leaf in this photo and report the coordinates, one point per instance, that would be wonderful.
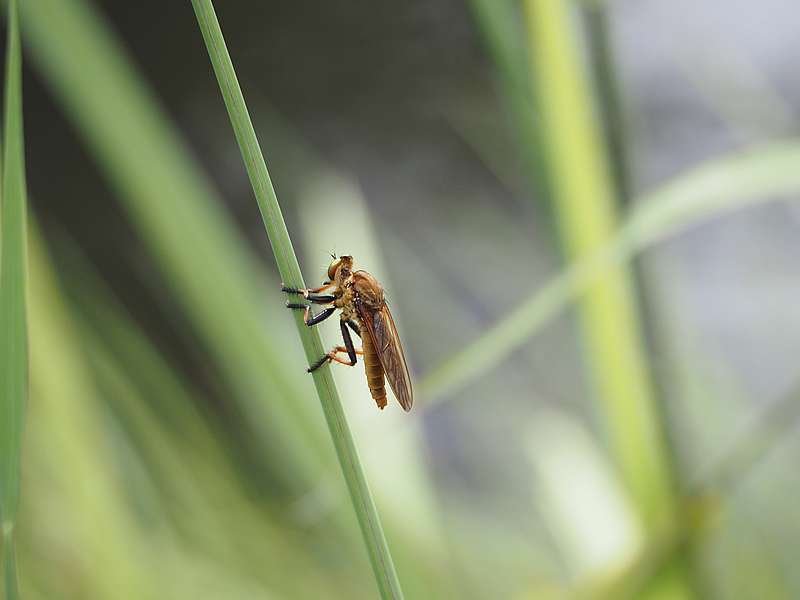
(754, 177)
(172, 205)
(13, 309)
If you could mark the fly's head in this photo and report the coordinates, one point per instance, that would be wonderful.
(340, 270)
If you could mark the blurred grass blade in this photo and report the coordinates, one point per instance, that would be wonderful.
(13, 311)
(174, 209)
(71, 441)
(502, 29)
(289, 269)
(593, 538)
(184, 477)
(609, 98)
(584, 206)
(756, 176)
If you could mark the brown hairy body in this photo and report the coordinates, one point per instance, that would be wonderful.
(363, 307)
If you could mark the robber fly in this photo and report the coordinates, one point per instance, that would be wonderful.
(360, 298)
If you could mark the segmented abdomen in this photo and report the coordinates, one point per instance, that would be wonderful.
(374, 370)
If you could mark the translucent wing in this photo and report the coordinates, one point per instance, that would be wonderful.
(383, 334)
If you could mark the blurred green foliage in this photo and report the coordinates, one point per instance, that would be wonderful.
(13, 309)
(143, 479)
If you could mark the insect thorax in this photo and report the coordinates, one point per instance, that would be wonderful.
(367, 290)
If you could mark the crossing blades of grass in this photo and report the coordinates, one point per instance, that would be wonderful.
(751, 178)
(584, 207)
(611, 332)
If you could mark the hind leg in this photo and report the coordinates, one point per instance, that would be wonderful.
(333, 354)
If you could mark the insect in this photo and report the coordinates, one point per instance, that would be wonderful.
(364, 311)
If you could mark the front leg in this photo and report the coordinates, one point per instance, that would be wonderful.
(307, 292)
(320, 299)
(309, 318)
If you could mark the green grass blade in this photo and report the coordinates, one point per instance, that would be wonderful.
(289, 269)
(11, 584)
(13, 312)
(609, 98)
(611, 332)
(70, 439)
(502, 30)
(756, 176)
(116, 387)
(584, 209)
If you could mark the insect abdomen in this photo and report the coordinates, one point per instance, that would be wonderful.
(374, 370)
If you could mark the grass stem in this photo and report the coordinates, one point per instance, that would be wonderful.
(289, 270)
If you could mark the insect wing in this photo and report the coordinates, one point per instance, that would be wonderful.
(383, 333)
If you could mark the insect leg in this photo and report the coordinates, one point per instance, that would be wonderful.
(323, 359)
(308, 318)
(305, 292)
(312, 298)
(321, 288)
(348, 347)
(321, 299)
(332, 355)
(348, 342)
(354, 326)
(319, 317)
(343, 349)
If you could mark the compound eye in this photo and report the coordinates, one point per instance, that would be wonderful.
(332, 269)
